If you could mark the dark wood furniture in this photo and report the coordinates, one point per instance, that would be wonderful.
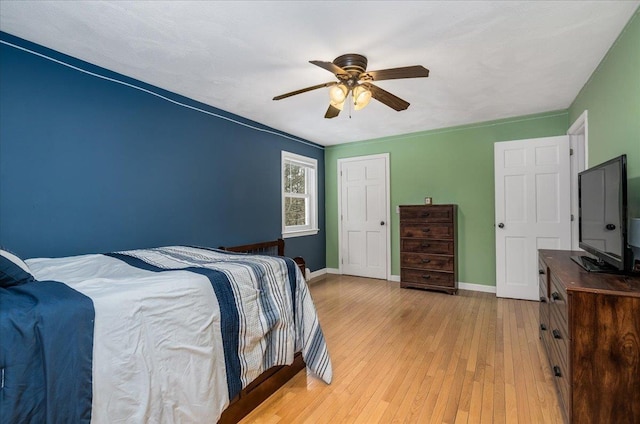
(271, 248)
(428, 251)
(272, 379)
(590, 328)
(259, 390)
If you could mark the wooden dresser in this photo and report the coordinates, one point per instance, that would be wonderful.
(428, 252)
(590, 328)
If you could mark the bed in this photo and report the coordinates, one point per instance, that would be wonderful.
(171, 334)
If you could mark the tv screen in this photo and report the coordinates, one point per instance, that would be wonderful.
(603, 213)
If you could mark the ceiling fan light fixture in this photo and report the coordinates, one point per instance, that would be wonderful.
(338, 93)
(338, 106)
(361, 97)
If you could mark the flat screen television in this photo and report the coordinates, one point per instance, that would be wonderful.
(602, 225)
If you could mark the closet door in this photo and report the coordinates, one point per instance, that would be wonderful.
(364, 216)
(532, 207)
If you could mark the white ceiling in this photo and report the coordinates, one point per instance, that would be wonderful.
(487, 59)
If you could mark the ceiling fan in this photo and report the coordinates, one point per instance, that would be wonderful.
(354, 79)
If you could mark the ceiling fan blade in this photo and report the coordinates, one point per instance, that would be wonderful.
(416, 71)
(330, 66)
(304, 90)
(387, 98)
(332, 112)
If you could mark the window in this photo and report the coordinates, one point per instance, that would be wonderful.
(299, 195)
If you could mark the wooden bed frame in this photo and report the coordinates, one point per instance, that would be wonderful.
(271, 248)
(272, 379)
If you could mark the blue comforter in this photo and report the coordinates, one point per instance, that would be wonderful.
(46, 342)
(154, 335)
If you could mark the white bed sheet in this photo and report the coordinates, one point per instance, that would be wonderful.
(144, 320)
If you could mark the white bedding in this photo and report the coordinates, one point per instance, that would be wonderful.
(158, 352)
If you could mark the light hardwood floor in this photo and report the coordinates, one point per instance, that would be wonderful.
(403, 355)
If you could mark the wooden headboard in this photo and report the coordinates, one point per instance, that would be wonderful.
(269, 248)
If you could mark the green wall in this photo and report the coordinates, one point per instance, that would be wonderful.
(454, 165)
(612, 98)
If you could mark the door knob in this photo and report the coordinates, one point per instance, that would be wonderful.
(381, 222)
(501, 225)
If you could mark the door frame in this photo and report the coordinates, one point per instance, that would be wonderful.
(387, 218)
(578, 134)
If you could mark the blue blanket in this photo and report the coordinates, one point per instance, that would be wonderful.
(46, 342)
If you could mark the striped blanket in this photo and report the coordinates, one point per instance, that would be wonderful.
(179, 331)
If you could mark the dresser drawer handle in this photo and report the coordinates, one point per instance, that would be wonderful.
(556, 334)
(543, 299)
(543, 327)
(556, 371)
(426, 261)
(425, 246)
(426, 277)
(426, 230)
(425, 215)
(555, 296)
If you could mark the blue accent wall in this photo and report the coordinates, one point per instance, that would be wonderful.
(90, 165)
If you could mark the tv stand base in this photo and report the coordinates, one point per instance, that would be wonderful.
(594, 265)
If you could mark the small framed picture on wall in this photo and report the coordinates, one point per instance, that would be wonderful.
(427, 200)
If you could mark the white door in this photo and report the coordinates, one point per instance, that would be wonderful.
(532, 194)
(364, 216)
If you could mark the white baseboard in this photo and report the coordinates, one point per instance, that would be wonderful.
(396, 279)
(461, 285)
(320, 273)
(476, 287)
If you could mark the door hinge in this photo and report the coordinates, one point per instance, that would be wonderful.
(572, 218)
(570, 152)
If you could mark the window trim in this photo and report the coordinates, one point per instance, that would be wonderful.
(312, 165)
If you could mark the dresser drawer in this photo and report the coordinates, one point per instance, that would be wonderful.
(560, 371)
(558, 321)
(422, 261)
(558, 303)
(543, 312)
(427, 214)
(559, 335)
(416, 277)
(544, 295)
(442, 231)
(427, 246)
(543, 273)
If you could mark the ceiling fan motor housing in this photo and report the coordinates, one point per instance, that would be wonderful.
(353, 63)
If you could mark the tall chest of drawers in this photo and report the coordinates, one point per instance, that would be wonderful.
(428, 251)
(590, 328)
